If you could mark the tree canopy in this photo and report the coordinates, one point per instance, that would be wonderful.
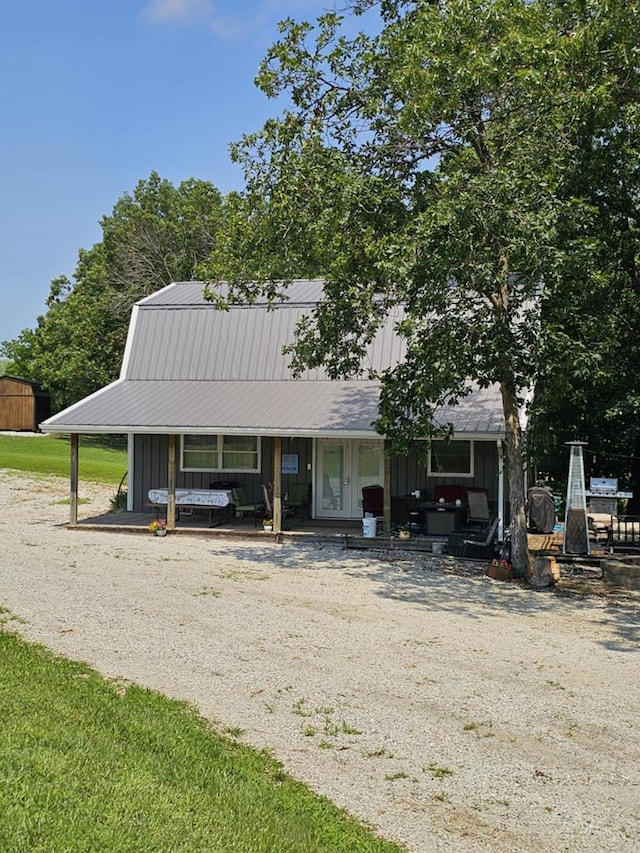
(450, 167)
(154, 236)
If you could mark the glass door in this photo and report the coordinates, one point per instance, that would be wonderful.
(343, 467)
(334, 479)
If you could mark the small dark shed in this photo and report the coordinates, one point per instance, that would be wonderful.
(23, 404)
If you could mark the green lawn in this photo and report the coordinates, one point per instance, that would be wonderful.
(89, 765)
(50, 454)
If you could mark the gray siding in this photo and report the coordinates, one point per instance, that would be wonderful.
(410, 472)
(150, 454)
(407, 473)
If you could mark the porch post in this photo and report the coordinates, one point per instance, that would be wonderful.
(171, 483)
(386, 505)
(500, 491)
(73, 482)
(130, 475)
(277, 484)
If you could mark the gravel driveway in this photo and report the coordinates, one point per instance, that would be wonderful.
(451, 712)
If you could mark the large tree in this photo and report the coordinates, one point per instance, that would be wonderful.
(153, 236)
(426, 168)
(589, 384)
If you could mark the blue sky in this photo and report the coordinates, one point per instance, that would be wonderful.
(94, 95)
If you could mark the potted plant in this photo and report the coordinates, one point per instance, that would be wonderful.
(404, 531)
(267, 524)
(158, 527)
(500, 570)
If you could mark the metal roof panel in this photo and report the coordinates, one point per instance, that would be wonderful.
(256, 407)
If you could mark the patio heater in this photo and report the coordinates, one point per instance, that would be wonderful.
(576, 532)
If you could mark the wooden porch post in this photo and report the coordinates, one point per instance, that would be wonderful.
(171, 483)
(73, 481)
(130, 470)
(501, 507)
(277, 484)
(386, 506)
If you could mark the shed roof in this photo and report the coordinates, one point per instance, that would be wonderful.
(6, 379)
(189, 367)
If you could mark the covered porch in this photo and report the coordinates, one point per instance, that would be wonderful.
(348, 534)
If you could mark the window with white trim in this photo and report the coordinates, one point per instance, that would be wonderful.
(451, 459)
(232, 453)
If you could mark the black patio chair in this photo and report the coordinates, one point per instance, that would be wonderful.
(474, 544)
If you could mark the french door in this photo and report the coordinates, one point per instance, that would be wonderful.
(343, 467)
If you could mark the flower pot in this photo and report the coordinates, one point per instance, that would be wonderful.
(268, 528)
(499, 573)
(405, 534)
(161, 531)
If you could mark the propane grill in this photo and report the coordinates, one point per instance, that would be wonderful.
(603, 495)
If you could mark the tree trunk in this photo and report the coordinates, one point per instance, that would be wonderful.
(633, 507)
(515, 466)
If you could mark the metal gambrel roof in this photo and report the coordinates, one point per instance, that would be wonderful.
(182, 342)
(301, 291)
(190, 367)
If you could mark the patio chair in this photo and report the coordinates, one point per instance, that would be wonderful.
(478, 516)
(242, 506)
(474, 544)
(299, 498)
(266, 497)
(372, 500)
(287, 511)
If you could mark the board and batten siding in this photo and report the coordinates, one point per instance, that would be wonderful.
(22, 405)
(407, 472)
(150, 460)
(410, 472)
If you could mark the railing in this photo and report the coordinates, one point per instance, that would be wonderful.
(624, 532)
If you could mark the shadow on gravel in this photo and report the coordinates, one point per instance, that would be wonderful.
(456, 586)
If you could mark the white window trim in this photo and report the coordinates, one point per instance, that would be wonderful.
(467, 474)
(219, 470)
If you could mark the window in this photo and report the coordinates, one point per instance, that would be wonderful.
(451, 458)
(240, 453)
(200, 452)
(220, 453)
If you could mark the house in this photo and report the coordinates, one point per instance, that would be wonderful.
(23, 404)
(206, 395)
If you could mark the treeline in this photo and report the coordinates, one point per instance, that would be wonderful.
(155, 235)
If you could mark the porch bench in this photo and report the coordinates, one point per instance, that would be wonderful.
(474, 544)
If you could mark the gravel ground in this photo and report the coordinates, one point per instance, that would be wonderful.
(451, 712)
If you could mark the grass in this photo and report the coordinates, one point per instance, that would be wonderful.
(89, 764)
(439, 772)
(50, 454)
